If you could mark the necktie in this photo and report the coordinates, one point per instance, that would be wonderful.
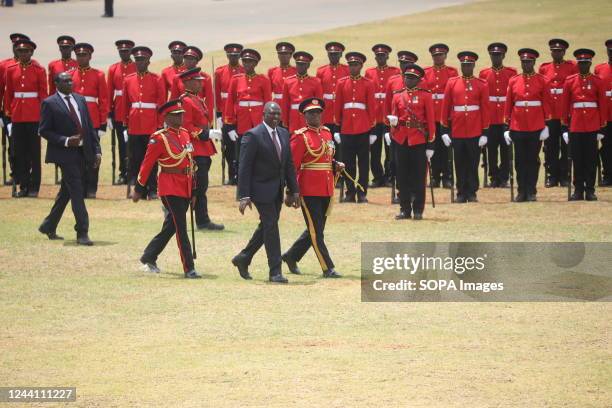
(277, 145)
(74, 116)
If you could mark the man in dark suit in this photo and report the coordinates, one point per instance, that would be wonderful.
(266, 167)
(72, 142)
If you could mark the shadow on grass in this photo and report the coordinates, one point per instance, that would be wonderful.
(73, 243)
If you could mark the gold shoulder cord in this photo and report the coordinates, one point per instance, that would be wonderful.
(316, 153)
(178, 157)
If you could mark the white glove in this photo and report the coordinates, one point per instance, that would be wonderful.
(372, 139)
(566, 137)
(507, 137)
(9, 129)
(232, 135)
(219, 122)
(337, 137)
(446, 140)
(388, 139)
(101, 133)
(544, 134)
(109, 124)
(214, 134)
(600, 136)
(392, 120)
(125, 136)
(1, 123)
(482, 141)
(429, 153)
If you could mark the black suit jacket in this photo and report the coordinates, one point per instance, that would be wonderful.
(262, 176)
(56, 126)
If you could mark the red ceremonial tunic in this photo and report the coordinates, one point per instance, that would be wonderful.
(604, 71)
(466, 106)
(90, 83)
(435, 80)
(380, 77)
(355, 105)
(196, 118)
(497, 79)
(277, 76)
(178, 88)
(116, 76)
(25, 89)
(247, 96)
(142, 95)
(585, 106)
(169, 73)
(223, 76)
(415, 112)
(295, 90)
(313, 153)
(527, 103)
(57, 67)
(329, 76)
(556, 75)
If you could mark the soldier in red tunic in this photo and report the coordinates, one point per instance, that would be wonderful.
(284, 70)
(90, 83)
(555, 152)
(297, 88)
(604, 71)
(171, 148)
(329, 75)
(414, 129)
(497, 77)
(380, 76)
(25, 89)
(312, 149)
(65, 64)
(585, 111)
(192, 56)
(116, 75)
(223, 76)
(177, 49)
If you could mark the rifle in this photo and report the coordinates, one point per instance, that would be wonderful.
(452, 171)
(114, 134)
(193, 245)
(214, 85)
(127, 167)
(598, 166)
(431, 189)
(393, 171)
(511, 169)
(4, 137)
(569, 173)
(485, 165)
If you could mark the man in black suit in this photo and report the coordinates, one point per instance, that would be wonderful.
(72, 142)
(266, 167)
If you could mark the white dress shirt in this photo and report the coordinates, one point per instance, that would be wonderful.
(270, 130)
(76, 109)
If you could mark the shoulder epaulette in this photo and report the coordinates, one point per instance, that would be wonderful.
(326, 128)
(424, 90)
(399, 90)
(301, 131)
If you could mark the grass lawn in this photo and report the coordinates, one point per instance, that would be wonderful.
(86, 317)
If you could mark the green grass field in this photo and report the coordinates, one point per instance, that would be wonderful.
(86, 317)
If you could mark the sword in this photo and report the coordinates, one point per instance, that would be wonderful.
(214, 85)
(114, 134)
(431, 189)
(193, 245)
(4, 136)
(569, 171)
(511, 169)
(485, 165)
(452, 171)
(127, 167)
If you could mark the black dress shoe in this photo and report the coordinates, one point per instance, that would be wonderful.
(106, 16)
(32, 194)
(377, 183)
(331, 273)
(502, 184)
(91, 196)
(576, 196)
(460, 199)
(403, 215)
(361, 198)
(446, 183)
(278, 278)
(211, 226)
(472, 198)
(50, 234)
(551, 182)
(192, 274)
(9, 182)
(395, 200)
(152, 196)
(417, 216)
(291, 264)
(349, 198)
(590, 196)
(494, 183)
(605, 182)
(520, 198)
(435, 183)
(84, 240)
(564, 183)
(531, 197)
(243, 268)
(121, 180)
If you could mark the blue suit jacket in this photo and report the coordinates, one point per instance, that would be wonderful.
(56, 126)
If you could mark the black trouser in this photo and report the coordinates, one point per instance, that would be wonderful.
(526, 160)
(117, 133)
(201, 205)
(314, 210)
(108, 7)
(499, 171)
(92, 174)
(439, 162)
(356, 153)
(230, 154)
(71, 189)
(467, 157)
(411, 167)
(583, 151)
(175, 223)
(27, 155)
(379, 173)
(556, 167)
(605, 152)
(266, 234)
(137, 147)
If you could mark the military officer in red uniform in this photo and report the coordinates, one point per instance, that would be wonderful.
(414, 129)
(555, 152)
(380, 75)
(355, 115)
(396, 82)
(177, 49)
(604, 71)
(143, 93)
(329, 75)
(497, 77)
(585, 111)
(312, 149)
(247, 95)
(435, 79)
(191, 58)
(25, 89)
(116, 75)
(297, 88)
(91, 83)
(65, 64)
(465, 113)
(171, 148)
(284, 70)
(223, 76)
(526, 111)
(197, 120)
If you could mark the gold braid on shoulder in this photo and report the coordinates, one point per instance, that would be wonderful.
(315, 153)
(178, 157)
